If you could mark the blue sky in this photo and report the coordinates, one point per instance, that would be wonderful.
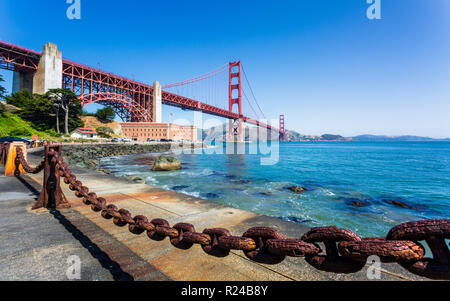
(322, 63)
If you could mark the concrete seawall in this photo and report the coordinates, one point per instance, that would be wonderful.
(139, 258)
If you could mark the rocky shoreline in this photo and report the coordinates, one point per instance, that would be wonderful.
(89, 155)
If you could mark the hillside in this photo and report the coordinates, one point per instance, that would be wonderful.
(13, 125)
(294, 136)
(93, 122)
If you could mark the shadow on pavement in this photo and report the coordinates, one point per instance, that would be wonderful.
(103, 258)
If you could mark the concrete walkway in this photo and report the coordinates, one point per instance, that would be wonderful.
(36, 245)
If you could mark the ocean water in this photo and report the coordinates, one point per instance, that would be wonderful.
(335, 174)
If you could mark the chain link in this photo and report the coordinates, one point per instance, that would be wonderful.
(20, 160)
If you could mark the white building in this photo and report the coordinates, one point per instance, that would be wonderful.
(84, 133)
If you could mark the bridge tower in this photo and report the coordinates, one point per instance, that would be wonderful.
(46, 77)
(282, 129)
(235, 97)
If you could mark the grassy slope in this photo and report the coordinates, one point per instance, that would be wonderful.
(11, 122)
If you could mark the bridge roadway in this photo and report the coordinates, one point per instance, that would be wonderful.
(36, 245)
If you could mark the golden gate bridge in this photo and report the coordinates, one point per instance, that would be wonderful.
(219, 92)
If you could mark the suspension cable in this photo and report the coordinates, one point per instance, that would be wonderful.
(248, 83)
(198, 78)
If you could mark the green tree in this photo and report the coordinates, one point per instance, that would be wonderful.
(2, 89)
(104, 131)
(88, 114)
(40, 110)
(106, 114)
(66, 102)
(2, 109)
(33, 107)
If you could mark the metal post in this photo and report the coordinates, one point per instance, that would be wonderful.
(51, 196)
(4, 152)
(10, 162)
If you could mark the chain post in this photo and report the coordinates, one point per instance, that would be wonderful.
(3, 152)
(11, 167)
(51, 196)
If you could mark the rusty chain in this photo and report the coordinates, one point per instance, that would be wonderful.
(20, 159)
(345, 251)
(4, 149)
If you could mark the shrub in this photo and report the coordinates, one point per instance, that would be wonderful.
(106, 114)
(105, 132)
(2, 109)
(20, 132)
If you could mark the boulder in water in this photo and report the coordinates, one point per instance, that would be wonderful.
(166, 163)
(264, 193)
(179, 187)
(135, 179)
(359, 203)
(297, 189)
(91, 163)
(104, 170)
(138, 179)
(399, 203)
(209, 195)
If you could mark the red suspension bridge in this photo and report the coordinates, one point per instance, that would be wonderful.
(220, 92)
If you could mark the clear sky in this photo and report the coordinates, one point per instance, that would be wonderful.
(322, 63)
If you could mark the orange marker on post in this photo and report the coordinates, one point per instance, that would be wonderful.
(10, 166)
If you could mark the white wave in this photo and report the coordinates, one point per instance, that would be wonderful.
(151, 180)
(193, 193)
(201, 173)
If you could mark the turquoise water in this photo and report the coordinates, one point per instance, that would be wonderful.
(335, 173)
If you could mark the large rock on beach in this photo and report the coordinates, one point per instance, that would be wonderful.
(136, 179)
(166, 163)
(297, 189)
(91, 163)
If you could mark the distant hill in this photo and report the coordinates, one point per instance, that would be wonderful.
(294, 136)
(218, 133)
(251, 133)
(394, 138)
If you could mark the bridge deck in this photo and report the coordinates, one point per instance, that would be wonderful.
(109, 252)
